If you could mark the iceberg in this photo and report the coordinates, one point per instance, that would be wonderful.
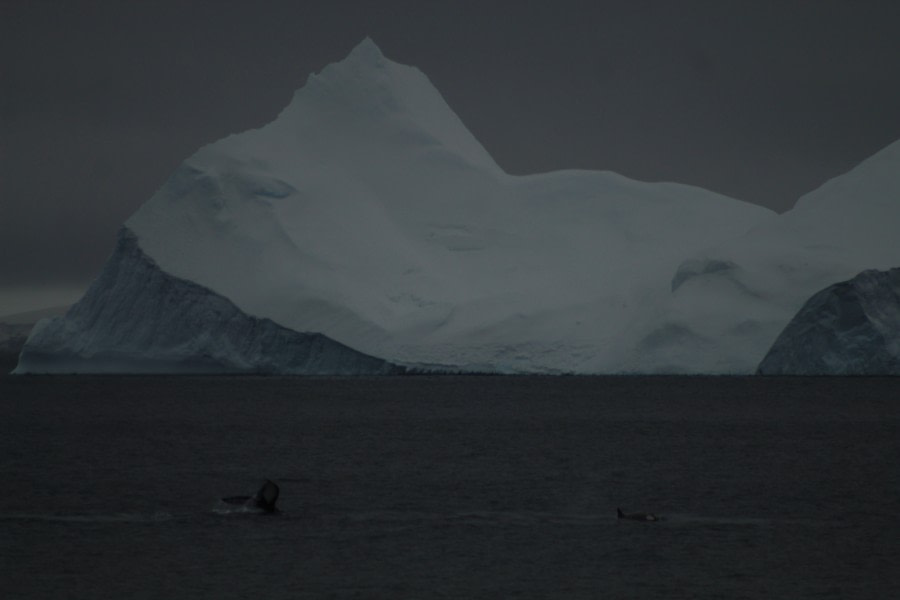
(367, 214)
(849, 328)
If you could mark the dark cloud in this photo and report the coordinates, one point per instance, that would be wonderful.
(759, 100)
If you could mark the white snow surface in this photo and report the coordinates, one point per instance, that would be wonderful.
(730, 302)
(368, 212)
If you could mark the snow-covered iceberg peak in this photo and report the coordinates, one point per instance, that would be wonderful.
(374, 96)
(367, 51)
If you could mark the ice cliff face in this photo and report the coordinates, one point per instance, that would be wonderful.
(849, 328)
(368, 213)
(136, 318)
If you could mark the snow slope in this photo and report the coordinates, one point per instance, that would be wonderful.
(731, 302)
(136, 318)
(849, 328)
(367, 212)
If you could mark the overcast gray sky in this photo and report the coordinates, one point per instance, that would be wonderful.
(760, 100)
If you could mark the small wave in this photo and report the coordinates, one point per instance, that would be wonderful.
(476, 518)
(529, 517)
(688, 519)
(240, 510)
(89, 518)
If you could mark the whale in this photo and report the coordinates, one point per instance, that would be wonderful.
(263, 500)
(638, 516)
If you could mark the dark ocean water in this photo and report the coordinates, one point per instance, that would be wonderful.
(450, 487)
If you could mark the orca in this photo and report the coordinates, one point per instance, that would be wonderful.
(637, 516)
(264, 499)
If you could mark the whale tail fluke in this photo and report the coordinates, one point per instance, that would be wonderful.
(264, 499)
(267, 495)
(619, 512)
